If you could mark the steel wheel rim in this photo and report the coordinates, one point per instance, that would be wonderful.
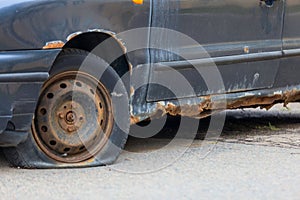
(73, 119)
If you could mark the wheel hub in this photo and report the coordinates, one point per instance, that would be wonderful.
(71, 117)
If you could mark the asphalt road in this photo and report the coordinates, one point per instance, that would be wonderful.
(256, 157)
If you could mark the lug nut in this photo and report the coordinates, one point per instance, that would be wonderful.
(61, 115)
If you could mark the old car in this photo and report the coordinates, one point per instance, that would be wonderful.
(65, 104)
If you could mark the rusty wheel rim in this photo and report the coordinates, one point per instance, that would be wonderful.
(73, 119)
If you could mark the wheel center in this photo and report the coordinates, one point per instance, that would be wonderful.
(71, 117)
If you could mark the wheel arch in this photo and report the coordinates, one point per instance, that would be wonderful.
(104, 44)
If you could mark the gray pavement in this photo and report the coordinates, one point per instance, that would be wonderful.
(257, 157)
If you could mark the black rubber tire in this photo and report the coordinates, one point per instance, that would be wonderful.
(29, 155)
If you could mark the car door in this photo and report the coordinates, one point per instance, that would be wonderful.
(288, 73)
(243, 38)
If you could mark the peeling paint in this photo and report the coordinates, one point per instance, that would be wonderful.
(73, 35)
(278, 92)
(54, 45)
(114, 94)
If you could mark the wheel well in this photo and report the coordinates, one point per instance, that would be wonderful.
(103, 45)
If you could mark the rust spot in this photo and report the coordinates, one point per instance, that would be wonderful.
(134, 120)
(54, 45)
(266, 101)
(254, 100)
(291, 96)
(246, 50)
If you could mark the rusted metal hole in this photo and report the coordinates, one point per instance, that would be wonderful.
(43, 111)
(63, 86)
(52, 142)
(101, 122)
(44, 129)
(100, 104)
(78, 84)
(92, 91)
(67, 149)
(50, 95)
